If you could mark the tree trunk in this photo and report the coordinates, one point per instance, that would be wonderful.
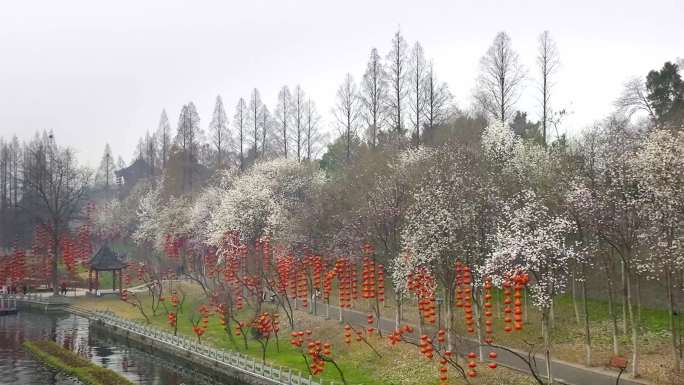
(635, 329)
(673, 329)
(547, 344)
(449, 325)
(587, 331)
(397, 312)
(55, 264)
(613, 317)
(575, 305)
(625, 297)
(478, 319)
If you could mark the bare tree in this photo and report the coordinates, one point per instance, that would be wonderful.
(437, 98)
(4, 175)
(266, 126)
(548, 61)
(397, 68)
(189, 139)
(218, 129)
(57, 187)
(283, 115)
(634, 98)
(347, 111)
(105, 171)
(312, 135)
(10, 158)
(373, 96)
(239, 120)
(298, 124)
(150, 150)
(164, 137)
(255, 112)
(500, 78)
(417, 74)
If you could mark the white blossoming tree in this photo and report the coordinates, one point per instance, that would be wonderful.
(659, 168)
(265, 200)
(448, 221)
(531, 239)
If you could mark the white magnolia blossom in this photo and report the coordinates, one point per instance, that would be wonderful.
(412, 156)
(530, 163)
(532, 240)
(265, 200)
(500, 143)
(201, 211)
(443, 223)
(158, 218)
(111, 219)
(659, 167)
(148, 213)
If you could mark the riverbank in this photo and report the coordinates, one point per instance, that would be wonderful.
(66, 361)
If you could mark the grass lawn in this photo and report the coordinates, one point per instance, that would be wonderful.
(69, 362)
(568, 335)
(401, 364)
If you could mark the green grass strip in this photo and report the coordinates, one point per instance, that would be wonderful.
(71, 363)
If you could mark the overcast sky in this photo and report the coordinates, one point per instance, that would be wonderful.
(101, 71)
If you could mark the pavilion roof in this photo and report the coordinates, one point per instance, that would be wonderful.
(107, 259)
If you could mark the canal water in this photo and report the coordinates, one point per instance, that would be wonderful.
(18, 367)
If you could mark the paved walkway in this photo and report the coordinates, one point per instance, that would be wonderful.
(563, 372)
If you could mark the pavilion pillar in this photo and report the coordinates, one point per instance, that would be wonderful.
(90, 280)
(97, 280)
(114, 280)
(120, 282)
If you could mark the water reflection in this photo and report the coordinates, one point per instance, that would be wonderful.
(18, 367)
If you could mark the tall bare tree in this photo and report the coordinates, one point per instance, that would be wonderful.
(347, 111)
(266, 126)
(219, 132)
(164, 137)
(312, 135)
(397, 69)
(417, 74)
(500, 79)
(10, 159)
(373, 96)
(240, 123)
(151, 152)
(298, 124)
(189, 139)
(4, 175)
(254, 119)
(283, 115)
(57, 187)
(437, 98)
(105, 172)
(548, 61)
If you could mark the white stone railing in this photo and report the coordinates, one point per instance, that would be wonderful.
(233, 360)
(8, 303)
(35, 298)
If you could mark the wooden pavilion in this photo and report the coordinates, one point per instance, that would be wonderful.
(105, 260)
